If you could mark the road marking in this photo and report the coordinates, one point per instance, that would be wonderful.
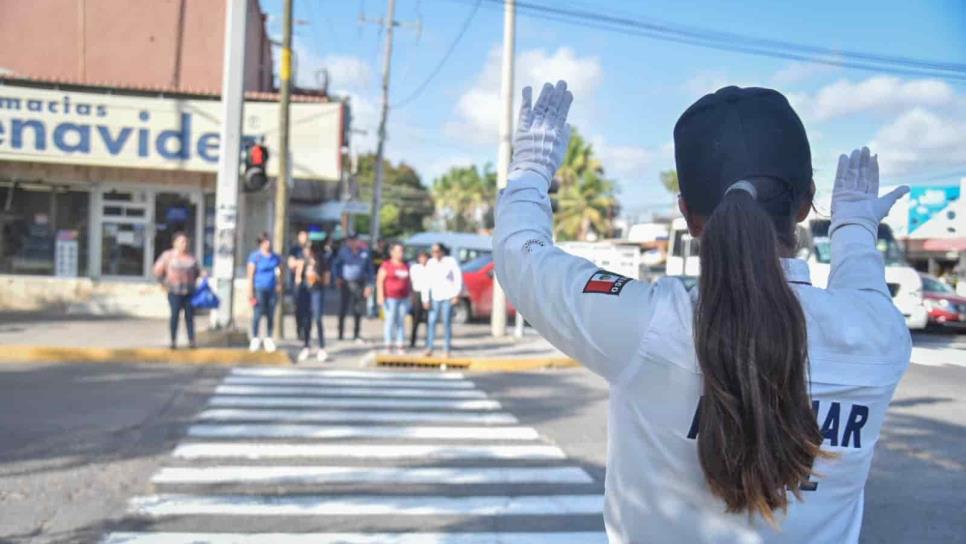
(346, 382)
(308, 402)
(365, 505)
(373, 375)
(278, 475)
(358, 538)
(348, 391)
(343, 416)
(930, 356)
(257, 450)
(258, 430)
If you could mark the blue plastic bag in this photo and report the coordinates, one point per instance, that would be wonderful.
(204, 297)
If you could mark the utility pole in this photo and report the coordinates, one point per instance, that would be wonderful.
(282, 180)
(498, 314)
(381, 146)
(226, 194)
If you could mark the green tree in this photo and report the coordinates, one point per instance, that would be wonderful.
(586, 202)
(669, 179)
(406, 202)
(464, 197)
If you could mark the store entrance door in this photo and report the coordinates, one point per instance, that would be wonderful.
(124, 226)
(173, 213)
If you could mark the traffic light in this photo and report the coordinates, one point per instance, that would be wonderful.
(256, 164)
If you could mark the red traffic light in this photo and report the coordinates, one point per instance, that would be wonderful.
(257, 155)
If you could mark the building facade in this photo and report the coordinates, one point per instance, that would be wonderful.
(109, 144)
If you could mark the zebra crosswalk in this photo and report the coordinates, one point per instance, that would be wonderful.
(356, 457)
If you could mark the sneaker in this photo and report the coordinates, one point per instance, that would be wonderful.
(360, 342)
(269, 345)
(321, 356)
(428, 353)
(254, 344)
(304, 354)
(400, 350)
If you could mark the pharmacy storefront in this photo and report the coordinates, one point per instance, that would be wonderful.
(94, 183)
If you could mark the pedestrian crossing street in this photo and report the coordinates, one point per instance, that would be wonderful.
(362, 457)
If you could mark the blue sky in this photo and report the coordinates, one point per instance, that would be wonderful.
(629, 90)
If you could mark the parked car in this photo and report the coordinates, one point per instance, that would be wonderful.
(944, 307)
(476, 302)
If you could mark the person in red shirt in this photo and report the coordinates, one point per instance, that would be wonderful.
(392, 293)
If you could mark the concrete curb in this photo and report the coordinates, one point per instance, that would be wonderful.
(477, 364)
(200, 356)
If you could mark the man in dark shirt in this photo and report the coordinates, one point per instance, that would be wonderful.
(354, 275)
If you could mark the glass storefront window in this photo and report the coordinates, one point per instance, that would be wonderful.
(43, 231)
(122, 249)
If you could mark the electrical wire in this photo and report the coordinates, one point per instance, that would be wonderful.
(449, 51)
(739, 43)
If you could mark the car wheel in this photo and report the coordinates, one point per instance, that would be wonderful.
(462, 312)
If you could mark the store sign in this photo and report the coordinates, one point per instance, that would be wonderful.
(41, 125)
(933, 212)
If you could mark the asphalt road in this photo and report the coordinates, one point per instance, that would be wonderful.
(89, 450)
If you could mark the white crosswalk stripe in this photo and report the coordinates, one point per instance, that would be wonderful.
(228, 414)
(359, 538)
(408, 450)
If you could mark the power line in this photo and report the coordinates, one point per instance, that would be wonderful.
(452, 47)
(636, 26)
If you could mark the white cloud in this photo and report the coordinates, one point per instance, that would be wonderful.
(705, 82)
(348, 72)
(799, 72)
(478, 108)
(920, 141)
(875, 94)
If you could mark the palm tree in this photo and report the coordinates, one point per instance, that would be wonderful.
(586, 200)
(585, 206)
(465, 197)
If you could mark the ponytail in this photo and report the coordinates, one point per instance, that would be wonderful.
(757, 433)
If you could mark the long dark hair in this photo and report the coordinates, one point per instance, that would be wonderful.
(757, 433)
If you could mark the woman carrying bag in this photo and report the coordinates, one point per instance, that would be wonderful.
(177, 270)
(746, 409)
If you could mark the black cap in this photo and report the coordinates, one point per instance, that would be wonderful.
(735, 134)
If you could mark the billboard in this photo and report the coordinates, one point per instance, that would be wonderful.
(70, 127)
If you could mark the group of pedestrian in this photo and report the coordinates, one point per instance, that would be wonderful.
(428, 289)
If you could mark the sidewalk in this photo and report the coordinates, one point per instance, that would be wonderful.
(53, 337)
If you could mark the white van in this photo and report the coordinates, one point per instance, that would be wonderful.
(904, 282)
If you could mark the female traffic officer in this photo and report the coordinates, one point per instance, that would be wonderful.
(745, 409)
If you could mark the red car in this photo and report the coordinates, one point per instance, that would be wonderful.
(944, 306)
(476, 302)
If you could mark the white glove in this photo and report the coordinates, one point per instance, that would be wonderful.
(855, 198)
(542, 131)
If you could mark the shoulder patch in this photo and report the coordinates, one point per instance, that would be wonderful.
(606, 283)
(530, 245)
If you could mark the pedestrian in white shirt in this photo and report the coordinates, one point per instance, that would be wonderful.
(417, 276)
(445, 283)
(746, 409)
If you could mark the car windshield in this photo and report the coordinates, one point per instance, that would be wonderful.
(477, 264)
(933, 285)
(888, 247)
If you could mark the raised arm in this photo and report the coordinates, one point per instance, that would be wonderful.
(579, 308)
(857, 211)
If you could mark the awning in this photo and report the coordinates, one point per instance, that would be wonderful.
(945, 244)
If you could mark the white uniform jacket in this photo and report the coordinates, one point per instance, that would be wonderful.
(638, 336)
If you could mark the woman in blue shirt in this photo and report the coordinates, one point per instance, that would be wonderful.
(264, 287)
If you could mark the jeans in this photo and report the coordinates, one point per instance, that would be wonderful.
(396, 310)
(316, 311)
(265, 300)
(419, 315)
(303, 311)
(177, 303)
(437, 309)
(351, 298)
